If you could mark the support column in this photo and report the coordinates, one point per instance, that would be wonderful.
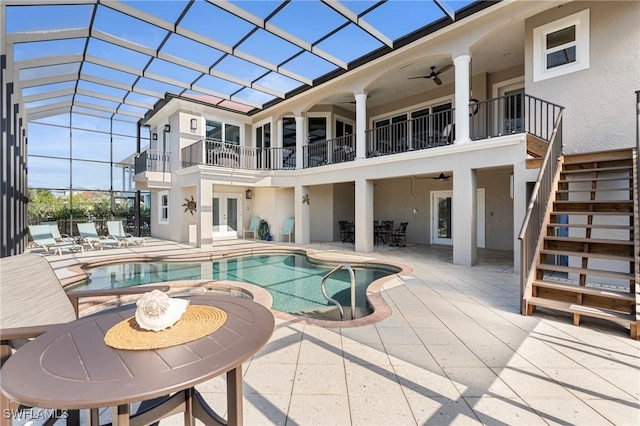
(465, 232)
(302, 214)
(462, 98)
(364, 216)
(361, 126)
(204, 195)
(520, 205)
(300, 140)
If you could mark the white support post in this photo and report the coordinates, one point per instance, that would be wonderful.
(464, 217)
(302, 214)
(361, 126)
(462, 98)
(364, 216)
(300, 140)
(204, 212)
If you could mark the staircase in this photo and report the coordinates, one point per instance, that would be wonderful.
(587, 261)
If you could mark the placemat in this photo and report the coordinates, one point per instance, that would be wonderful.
(197, 322)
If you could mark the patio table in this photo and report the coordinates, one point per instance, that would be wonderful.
(71, 368)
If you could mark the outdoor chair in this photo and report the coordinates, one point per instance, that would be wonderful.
(117, 230)
(288, 229)
(33, 300)
(386, 230)
(55, 231)
(347, 233)
(253, 227)
(90, 236)
(399, 236)
(43, 238)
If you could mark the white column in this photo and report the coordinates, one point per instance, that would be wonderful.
(464, 220)
(364, 216)
(302, 214)
(462, 98)
(204, 211)
(361, 126)
(300, 141)
(520, 205)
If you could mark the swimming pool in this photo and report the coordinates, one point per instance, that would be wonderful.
(293, 280)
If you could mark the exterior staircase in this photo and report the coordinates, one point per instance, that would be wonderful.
(587, 262)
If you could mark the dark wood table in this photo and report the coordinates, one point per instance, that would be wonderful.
(70, 367)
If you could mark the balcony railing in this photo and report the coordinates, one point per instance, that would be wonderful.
(518, 113)
(152, 161)
(424, 132)
(331, 151)
(214, 153)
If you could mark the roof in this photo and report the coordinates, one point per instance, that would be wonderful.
(119, 59)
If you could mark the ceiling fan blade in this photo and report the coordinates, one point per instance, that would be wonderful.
(420, 76)
(437, 81)
(445, 68)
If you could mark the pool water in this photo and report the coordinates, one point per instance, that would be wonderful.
(293, 281)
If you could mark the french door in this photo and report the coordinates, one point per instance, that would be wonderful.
(442, 214)
(227, 216)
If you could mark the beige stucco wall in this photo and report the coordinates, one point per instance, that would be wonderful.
(499, 208)
(321, 218)
(599, 101)
(343, 205)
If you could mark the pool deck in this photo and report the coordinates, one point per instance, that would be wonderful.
(454, 350)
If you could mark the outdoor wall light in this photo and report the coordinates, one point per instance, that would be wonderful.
(154, 136)
(194, 124)
(248, 194)
(167, 128)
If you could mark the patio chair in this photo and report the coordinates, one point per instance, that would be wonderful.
(117, 230)
(55, 231)
(346, 231)
(399, 236)
(253, 227)
(90, 236)
(33, 300)
(43, 238)
(288, 228)
(386, 230)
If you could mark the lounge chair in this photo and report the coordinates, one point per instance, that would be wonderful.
(253, 227)
(55, 231)
(116, 230)
(33, 300)
(289, 228)
(90, 236)
(43, 238)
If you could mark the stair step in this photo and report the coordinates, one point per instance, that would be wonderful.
(588, 213)
(589, 240)
(617, 317)
(567, 191)
(588, 255)
(590, 225)
(586, 271)
(595, 206)
(598, 157)
(601, 292)
(595, 179)
(595, 169)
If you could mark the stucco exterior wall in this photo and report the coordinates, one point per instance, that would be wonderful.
(343, 206)
(599, 101)
(321, 219)
(499, 208)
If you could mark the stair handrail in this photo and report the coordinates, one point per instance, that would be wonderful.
(353, 289)
(530, 233)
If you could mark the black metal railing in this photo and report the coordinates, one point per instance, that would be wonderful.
(332, 151)
(221, 154)
(531, 230)
(517, 113)
(152, 161)
(424, 132)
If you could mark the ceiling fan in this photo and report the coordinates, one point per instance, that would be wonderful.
(434, 74)
(442, 176)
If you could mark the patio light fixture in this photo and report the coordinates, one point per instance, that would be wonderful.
(248, 194)
(154, 136)
(167, 128)
(194, 124)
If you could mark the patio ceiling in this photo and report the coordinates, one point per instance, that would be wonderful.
(117, 59)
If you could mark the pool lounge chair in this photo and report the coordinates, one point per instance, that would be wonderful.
(27, 314)
(43, 238)
(289, 228)
(55, 231)
(253, 227)
(116, 230)
(90, 236)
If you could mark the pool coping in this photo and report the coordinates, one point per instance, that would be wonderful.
(381, 309)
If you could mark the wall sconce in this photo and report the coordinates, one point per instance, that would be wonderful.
(167, 128)
(248, 194)
(154, 136)
(194, 124)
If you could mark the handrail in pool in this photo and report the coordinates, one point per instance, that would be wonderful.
(353, 289)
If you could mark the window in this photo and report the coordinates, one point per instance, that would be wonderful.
(163, 207)
(561, 47)
(219, 132)
(317, 129)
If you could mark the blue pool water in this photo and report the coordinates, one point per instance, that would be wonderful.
(292, 280)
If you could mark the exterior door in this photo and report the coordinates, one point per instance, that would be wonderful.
(442, 214)
(227, 211)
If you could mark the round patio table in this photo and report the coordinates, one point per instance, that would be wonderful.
(70, 367)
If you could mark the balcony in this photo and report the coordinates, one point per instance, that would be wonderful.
(514, 114)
